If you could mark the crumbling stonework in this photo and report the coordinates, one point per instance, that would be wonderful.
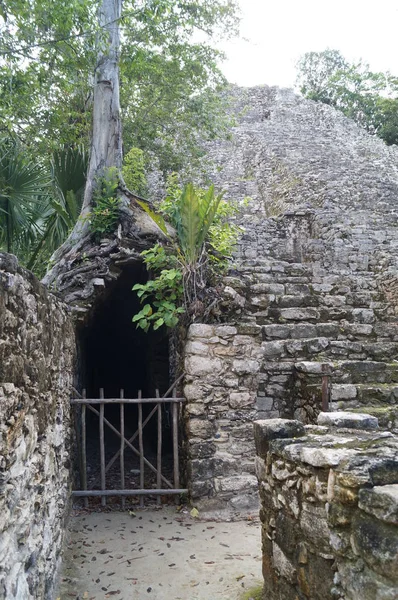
(329, 508)
(315, 273)
(36, 369)
(222, 366)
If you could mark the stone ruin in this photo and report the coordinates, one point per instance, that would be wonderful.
(329, 508)
(313, 283)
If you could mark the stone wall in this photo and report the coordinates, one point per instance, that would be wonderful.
(314, 277)
(222, 366)
(36, 368)
(329, 508)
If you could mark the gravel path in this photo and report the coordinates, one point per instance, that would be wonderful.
(159, 555)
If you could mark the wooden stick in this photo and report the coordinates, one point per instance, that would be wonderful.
(147, 492)
(325, 387)
(159, 458)
(102, 447)
(175, 445)
(131, 440)
(162, 399)
(141, 446)
(148, 464)
(84, 450)
(122, 482)
(125, 400)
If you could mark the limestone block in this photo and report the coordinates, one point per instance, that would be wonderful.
(273, 348)
(363, 315)
(343, 392)
(313, 523)
(268, 288)
(200, 365)
(241, 399)
(235, 484)
(377, 544)
(225, 330)
(265, 403)
(265, 431)
(381, 502)
(299, 314)
(325, 457)
(276, 331)
(260, 468)
(282, 564)
(313, 368)
(199, 330)
(242, 367)
(198, 348)
(348, 420)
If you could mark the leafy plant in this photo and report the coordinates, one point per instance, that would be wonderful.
(106, 210)
(24, 185)
(165, 292)
(133, 171)
(68, 178)
(202, 245)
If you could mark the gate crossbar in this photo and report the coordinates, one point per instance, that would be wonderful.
(172, 488)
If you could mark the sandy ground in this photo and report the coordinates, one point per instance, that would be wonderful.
(159, 555)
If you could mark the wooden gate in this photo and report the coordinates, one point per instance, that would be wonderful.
(97, 406)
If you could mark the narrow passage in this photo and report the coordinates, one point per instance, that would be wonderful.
(160, 555)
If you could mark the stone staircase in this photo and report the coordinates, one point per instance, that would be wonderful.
(308, 319)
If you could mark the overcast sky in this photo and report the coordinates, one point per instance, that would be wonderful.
(279, 31)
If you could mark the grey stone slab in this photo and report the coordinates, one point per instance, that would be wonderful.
(348, 420)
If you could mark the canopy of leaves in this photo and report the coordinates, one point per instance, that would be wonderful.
(47, 59)
(371, 99)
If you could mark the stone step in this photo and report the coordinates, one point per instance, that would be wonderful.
(372, 394)
(353, 371)
(328, 349)
(266, 314)
(337, 331)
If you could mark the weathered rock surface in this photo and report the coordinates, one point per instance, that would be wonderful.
(316, 269)
(36, 368)
(329, 512)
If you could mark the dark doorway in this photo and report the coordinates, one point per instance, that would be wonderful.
(115, 356)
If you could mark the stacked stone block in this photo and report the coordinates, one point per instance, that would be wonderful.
(329, 508)
(316, 269)
(36, 369)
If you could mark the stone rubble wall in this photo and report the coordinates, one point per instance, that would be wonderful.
(36, 368)
(329, 508)
(222, 366)
(315, 274)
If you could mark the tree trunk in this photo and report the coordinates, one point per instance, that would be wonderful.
(83, 266)
(106, 145)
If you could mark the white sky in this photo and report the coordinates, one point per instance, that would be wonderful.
(280, 31)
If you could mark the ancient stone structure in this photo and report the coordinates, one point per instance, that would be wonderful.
(329, 508)
(36, 368)
(314, 281)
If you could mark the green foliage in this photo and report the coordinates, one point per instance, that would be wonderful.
(106, 210)
(164, 292)
(203, 243)
(62, 207)
(38, 205)
(169, 85)
(24, 185)
(133, 171)
(371, 99)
